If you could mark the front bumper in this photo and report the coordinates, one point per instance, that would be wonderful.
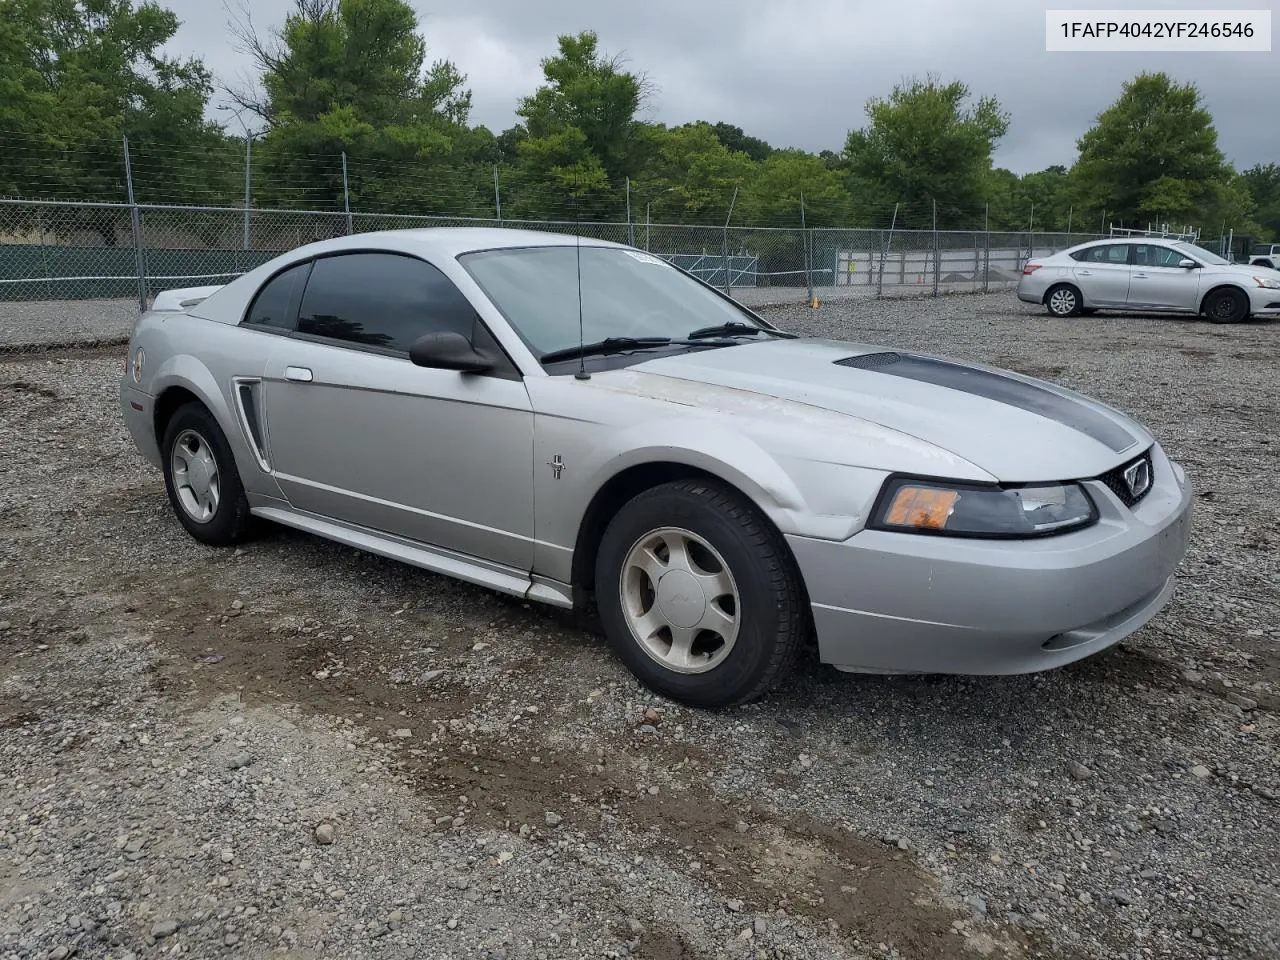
(1264, 302)
(138, 411)
(904, 603)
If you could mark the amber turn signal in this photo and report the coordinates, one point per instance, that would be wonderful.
(921, 507)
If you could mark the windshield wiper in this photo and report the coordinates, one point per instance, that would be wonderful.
(735, 328)
(611, 345)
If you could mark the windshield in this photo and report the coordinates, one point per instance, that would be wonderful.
(1206, 255)
(625, 293)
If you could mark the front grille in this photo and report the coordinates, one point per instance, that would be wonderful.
(1114, 479)
(869, 361)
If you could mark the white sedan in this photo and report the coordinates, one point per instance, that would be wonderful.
(1149, 274)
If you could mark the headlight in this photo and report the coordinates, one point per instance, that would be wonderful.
(969, 510)
(138, 358)
(1267, 282)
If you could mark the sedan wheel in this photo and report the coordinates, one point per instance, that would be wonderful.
(698, 594)
(195, 476)
(680, 600)
(1227, 306)
(1063, 301)
(201, 479)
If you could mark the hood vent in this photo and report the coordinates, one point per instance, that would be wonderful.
(870, 361)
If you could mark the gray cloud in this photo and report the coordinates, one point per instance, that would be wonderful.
(799, 73)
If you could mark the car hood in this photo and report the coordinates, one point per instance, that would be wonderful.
(1015, 428)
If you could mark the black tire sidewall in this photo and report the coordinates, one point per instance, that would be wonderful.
(761, 614)
(230, 518)
(1241, 302)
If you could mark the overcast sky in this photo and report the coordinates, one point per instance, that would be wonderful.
(798, 72)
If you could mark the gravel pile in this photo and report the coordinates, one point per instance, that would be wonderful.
(296, 749)
(39, 325)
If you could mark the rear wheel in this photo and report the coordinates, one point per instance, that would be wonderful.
(1226, 306)
(699, 596)
(201, 478)
(1063, 301)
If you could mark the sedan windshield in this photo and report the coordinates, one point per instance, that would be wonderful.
(1208, 256)
(625, 294)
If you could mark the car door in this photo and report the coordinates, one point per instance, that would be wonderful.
(1158, 282)
(1102, 274)
(361, 435)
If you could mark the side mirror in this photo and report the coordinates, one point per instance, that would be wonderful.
(1187, 264)
(448, 351)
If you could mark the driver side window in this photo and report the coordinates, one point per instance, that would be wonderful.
(381, 300)
(1146, 255)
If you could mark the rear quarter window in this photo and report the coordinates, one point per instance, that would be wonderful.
(273, 305)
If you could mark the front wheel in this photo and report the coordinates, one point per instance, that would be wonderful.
(1227, 306)
(1063, 301)
(699, 596)
(201, 478)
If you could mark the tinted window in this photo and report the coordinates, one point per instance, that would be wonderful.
(1148, 255)
(270, 308)
(1115, 253)
(381, 300)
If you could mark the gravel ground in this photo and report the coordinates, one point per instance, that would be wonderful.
(294, 749)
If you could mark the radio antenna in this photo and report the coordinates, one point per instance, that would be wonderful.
(577, 249)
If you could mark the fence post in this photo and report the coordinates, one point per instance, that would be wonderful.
(728, 279)
(248, 175)
(937, 254)
(805, 240)
(346, 193)
(497, 195)
(631, 227)
(135, 219)
(884, 252)
(986, 256)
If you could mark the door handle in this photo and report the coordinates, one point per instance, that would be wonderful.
(298, 374)
(1140, 276)
(1085, 273)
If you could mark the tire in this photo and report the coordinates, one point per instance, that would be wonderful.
(754, 638)
(1063, 300)
(1227, 305)
(201, 478)
(1264, 263)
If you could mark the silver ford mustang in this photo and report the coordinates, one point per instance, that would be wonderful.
(582, 424)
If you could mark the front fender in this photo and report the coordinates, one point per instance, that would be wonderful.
(575, 459)
(188, 373)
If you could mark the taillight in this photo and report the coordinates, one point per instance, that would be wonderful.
(1029, 269)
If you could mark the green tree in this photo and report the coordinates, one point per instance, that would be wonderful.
(350, 76)
(925, 143)
(582, 136)
(1263, 183)
(691, 175)
(787, 176)
(736, 139)
(1044, 200)
(78, 75)
(1152, 155)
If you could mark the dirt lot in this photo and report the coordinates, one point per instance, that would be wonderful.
(293, 749)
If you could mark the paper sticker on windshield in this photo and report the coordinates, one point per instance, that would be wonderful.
(644, 257)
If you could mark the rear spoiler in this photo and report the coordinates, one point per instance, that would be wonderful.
(183, 298)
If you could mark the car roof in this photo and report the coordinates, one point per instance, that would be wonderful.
(449, 242)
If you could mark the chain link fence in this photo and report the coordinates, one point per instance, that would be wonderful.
(101, 262)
